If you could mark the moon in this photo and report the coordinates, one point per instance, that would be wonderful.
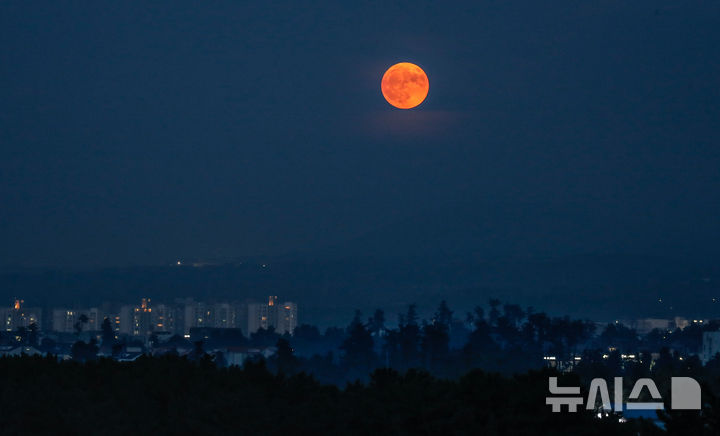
(405, 85)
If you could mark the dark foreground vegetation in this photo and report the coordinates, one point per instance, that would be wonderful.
(363, 379)
(174, 395)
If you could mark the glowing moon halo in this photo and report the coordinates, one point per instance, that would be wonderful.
(405, 85)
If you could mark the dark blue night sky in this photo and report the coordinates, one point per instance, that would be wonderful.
(139, 133)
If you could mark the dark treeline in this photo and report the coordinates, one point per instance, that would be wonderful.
(501, 338)
(479, 373)
(175, 395)
(181, 395)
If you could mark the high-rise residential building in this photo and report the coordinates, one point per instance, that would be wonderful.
(241, 316)
(142, 319)
(95, 319)
(282, 317)
(199, 314)
(178, 318)
(18, 316)
(192, 314)
(272, 311)
(196, 315)
(70, 320)
(124, 320)
(134, 320)
(257, 317)
(163, 318)
(287, 318)
(115, 322)
(224, 315)
(63, 320)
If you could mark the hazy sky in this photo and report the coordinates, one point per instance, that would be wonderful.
(140, 132)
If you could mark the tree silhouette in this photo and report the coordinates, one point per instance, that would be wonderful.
(285, 360)
(198, 352)
(358, 346)
(514, 314)
(108, 335)
(264, 337)
(480, 343)
(434, 345)
(494, 313)
(409, 340)
(376, 324)
(82, 320)
(84, 352)
(436, 339)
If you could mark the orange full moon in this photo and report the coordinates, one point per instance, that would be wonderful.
(405, 85)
